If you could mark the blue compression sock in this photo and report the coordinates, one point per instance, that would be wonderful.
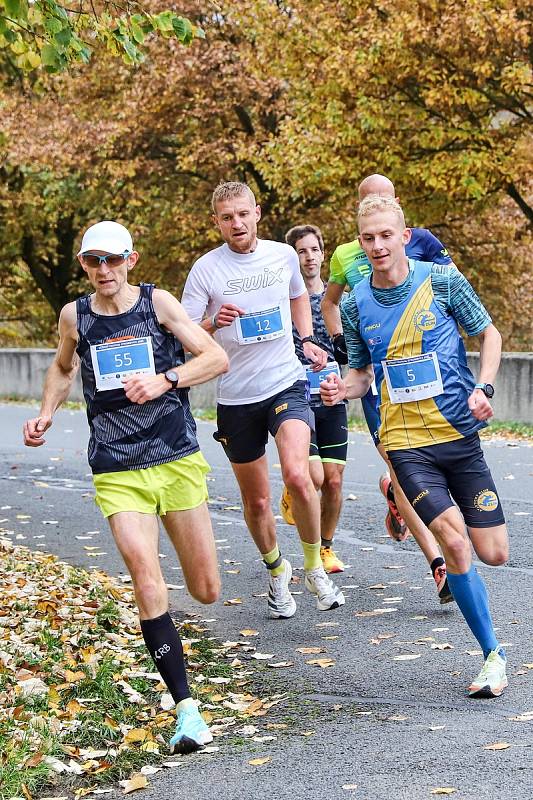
(471, 596)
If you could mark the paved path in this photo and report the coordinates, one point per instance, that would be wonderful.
(394, 728)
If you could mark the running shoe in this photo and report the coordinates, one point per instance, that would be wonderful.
(443, 589)
(330, 560)
(191, 732)
(281, 603)
(285, 507)
(328, 596)
(492, 679)
(394, 522)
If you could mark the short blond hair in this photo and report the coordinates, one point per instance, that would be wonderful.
(229, 190)
(374, 203)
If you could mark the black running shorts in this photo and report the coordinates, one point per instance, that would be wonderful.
(431, 476)
(329, 441)
(243, 430)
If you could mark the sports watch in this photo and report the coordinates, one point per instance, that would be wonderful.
(172, 377)
(311, 339)
(486, 388)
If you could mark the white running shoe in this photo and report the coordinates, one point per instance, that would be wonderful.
(328, 596)
(492, 679)
(281, 603)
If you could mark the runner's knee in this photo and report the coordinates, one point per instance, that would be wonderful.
(297, 481)
(256, 505)
(332, 483)
(207, 590)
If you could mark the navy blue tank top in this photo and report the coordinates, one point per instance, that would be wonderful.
(126, 435)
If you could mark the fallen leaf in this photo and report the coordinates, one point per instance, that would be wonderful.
(262, 656)
(236, 601)
(249, 632)
(443, 646)
(409, 657)
(497, 746)
(443, 790)
(321, 662)
(281, 664)
(527, 716)
(258, 762)
(310, 650)
(137, 781)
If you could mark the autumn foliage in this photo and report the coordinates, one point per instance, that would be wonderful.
(301, 100)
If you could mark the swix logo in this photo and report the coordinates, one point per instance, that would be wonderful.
(250, 283)
(161, 651)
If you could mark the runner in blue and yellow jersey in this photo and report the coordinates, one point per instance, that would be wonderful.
(329, 440)
(129, 342)
(349, 265)
(401, 325)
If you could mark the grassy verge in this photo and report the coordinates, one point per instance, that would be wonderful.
(80, 702)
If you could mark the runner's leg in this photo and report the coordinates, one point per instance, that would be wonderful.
(191, 534)
(137, 538)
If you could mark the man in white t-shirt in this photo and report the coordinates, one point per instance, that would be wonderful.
(250, 291)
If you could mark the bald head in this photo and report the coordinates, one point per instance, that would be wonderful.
(376, 184)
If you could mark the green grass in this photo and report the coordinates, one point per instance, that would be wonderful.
(521, 430)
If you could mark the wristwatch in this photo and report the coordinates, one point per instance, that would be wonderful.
(486, 388)
(172, 377)
(312, 340)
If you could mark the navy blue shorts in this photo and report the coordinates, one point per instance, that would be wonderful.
(329, 441)
(370, 410)
(243, 430)
(431, 476)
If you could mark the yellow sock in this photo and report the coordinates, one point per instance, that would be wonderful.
(270, 558)
(311, 555)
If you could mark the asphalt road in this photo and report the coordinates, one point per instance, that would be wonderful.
(391, 728)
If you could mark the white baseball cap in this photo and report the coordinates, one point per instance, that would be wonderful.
(107, 236)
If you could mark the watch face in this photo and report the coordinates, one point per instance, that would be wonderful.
(171, 375)
(489, 390)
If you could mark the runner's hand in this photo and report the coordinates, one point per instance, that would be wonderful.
(315, 354)
(33, 430)
(142, 388)
(339, 349)
(332, 390)
(226, 314)
(479, 405)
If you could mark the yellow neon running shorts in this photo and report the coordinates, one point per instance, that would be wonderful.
(175, 486)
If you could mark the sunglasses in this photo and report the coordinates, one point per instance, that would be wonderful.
(93, 260)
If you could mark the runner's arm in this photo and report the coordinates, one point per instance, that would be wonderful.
(356, 384)
(303, 320)
(330, 308)
(209, 359)
(490, 350)
(59, 378)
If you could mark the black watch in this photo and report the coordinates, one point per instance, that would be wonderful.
(312, 340)
(486, 388)
(172, 377)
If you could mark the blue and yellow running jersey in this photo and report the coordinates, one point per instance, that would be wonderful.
(413, 327)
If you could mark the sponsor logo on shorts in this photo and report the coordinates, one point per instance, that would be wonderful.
(282, 407)
(424, 320)
(486, 500)
(420, 497)
(373, 327)
(374, 341)
(161, 651)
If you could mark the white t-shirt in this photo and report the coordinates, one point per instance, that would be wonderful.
(265, 280)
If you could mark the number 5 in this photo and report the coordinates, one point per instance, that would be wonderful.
(410, 375)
